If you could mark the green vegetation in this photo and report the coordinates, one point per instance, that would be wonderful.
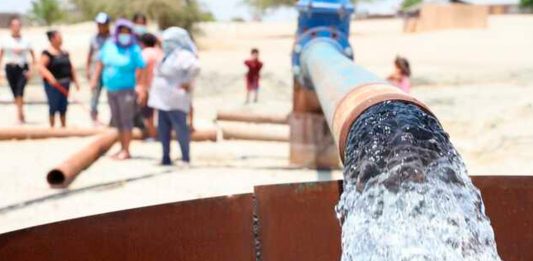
(409, 3)
(527, 4)
(47, 11)
(263, 5)
(183, 13)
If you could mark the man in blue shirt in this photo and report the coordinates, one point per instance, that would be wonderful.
(118, 63)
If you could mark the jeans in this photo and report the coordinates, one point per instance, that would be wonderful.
(57, 101)
(177, 120)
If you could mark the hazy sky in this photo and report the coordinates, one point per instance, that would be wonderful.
(14, 5)
(222, 9)
(227, 9)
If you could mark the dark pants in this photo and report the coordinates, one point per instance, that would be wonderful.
(177, 120)
(16, 78)
(57, 101)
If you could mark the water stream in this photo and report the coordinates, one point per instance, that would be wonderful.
(407, 195)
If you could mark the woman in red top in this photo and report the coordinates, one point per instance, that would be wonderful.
(252, 77)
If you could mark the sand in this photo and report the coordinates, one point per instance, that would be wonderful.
(477, 82)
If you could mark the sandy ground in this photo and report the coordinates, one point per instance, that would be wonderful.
(478, 83)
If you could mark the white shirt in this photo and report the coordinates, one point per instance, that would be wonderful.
(170, 74)
(16, 50)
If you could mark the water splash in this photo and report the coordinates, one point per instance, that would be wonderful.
(407, 195)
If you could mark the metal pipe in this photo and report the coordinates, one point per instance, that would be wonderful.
(203, 229)
(196, 135)
(62, 175)
(257, 134)
(66, 172)
(204, 135)
(23, 133)
(344, 89)
(251, 118)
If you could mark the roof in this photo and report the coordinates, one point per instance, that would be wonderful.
(492, 2)
(478, 2)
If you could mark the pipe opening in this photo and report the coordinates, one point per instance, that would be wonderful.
(402, 176)
(55, 177)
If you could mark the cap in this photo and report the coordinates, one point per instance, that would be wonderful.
(102, 18)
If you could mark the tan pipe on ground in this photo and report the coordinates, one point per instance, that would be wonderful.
(24, 133)
(252, 118)
(66, 172)
(196, 135)
(234, 133)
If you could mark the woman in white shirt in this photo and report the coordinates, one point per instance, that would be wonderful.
(170, 92)
(14, 51)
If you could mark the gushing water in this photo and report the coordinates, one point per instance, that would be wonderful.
(407, 195)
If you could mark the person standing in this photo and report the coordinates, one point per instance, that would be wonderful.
(252, 77)
(171, 90)
(103, 22)
(152, 54)
(140, 24)
(401, 75)
(122, 67)
(57, 72)
(14, 51)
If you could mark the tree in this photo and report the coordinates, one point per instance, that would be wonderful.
(263, 5)
(47, 11)
(527, 4)
(183, 13)
(409, 3)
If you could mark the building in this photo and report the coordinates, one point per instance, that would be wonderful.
(498, 7)
(9, 9)
(455, 14)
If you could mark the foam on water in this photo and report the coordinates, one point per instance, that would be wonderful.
(407, 195)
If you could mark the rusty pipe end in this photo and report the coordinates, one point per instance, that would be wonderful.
(56, 178)
(358, 101)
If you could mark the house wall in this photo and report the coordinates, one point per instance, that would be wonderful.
(4, 19)
(448, 16)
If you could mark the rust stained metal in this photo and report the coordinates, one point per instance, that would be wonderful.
(254, 133)
(196, 135)
(24, 133)
(204, 135)
(344, 89)
(198, 230)
(509, 205)
(298, 222)
(353, 104)
(251, 118)
(62, 175)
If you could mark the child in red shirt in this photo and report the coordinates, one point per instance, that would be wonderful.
(252, 77)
